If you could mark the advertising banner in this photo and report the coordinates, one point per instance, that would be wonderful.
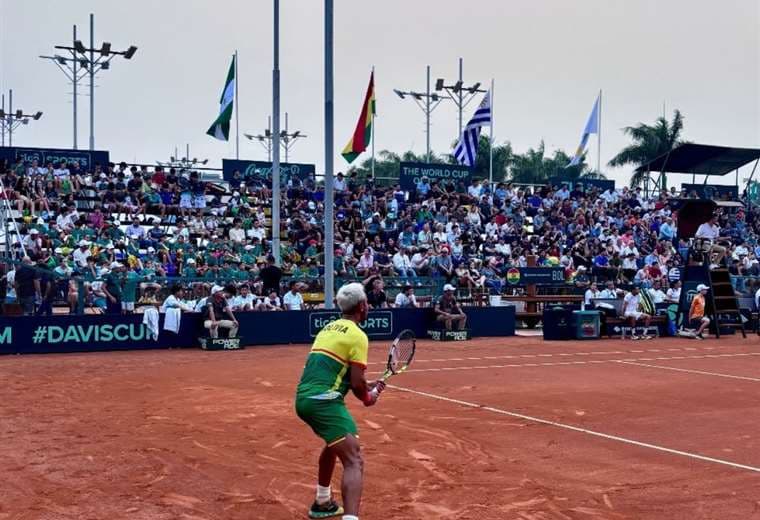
(411, 172)
(87, 159)
(263, 170)
(587, 184)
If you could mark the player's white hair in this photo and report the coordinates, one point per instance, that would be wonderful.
(350, 296)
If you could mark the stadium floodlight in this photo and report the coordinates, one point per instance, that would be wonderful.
(459, 93)
(287, 139)
(427, 101)
(11, 119)
(92, 60)
(130, 52)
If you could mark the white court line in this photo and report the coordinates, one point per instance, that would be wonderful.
(579, 430)
(547, 355)
(689, 371)
(595, 362)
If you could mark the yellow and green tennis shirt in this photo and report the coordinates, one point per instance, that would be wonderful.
(326, 375)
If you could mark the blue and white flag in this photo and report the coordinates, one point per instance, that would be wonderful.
(592, 127)
(467, 149)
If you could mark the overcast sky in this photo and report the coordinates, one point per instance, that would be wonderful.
(549, 59)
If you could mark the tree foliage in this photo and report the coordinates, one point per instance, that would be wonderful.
(649, 142)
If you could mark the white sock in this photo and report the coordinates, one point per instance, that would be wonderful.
(323, 494)
(350, 517)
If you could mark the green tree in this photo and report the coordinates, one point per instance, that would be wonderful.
(649, 142)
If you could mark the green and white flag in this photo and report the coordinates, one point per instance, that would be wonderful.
(220, 128)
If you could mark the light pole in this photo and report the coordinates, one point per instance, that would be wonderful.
(87, 60)
(264, 139)
(427, 102)
(329, 213)
(276, 135)
(69, 65)
(11, 120)
(460, 94)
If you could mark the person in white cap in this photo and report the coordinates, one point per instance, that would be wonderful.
(215, 310)
(448, 311)
(697, 318)
(81, 254)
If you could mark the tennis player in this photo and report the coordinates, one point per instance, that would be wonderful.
(336, 363)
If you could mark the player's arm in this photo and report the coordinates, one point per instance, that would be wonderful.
(363, 389)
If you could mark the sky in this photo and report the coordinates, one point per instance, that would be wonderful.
(548, 59)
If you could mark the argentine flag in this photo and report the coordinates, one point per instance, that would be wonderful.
(592, 127)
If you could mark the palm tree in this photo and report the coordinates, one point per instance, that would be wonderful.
(649, 142)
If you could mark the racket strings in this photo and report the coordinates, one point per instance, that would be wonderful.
(402, 355)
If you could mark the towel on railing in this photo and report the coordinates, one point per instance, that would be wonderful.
(150, 318)
(172, 319)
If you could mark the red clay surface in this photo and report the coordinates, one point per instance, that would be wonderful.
(187, 434)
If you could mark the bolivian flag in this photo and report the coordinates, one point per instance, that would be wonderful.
(363, 133)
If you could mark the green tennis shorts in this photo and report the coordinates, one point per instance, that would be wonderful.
(329, 418)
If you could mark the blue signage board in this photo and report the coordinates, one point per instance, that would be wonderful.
(536, 276)
(87, 159)
(263, 170)
(411, 172)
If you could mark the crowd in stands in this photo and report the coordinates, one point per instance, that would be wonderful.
(123, 234)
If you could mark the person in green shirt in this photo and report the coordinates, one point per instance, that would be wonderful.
(129, 291)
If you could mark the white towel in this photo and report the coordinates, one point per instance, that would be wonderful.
(150, 318)
(172, 319)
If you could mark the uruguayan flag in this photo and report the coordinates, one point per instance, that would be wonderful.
(467, 148)
(592, 127)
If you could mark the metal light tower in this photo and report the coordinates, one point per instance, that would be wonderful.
(276, 134)
(11, 120)
(287, 139)
(427, 102)
(329, 213)
(69, 65)
(91, 63)
(459, 93)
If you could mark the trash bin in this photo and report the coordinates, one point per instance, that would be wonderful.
(557, 323)
(586, 324)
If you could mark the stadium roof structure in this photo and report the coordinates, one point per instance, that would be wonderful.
(701, 159)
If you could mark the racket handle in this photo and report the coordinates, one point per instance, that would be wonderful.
(374, 393)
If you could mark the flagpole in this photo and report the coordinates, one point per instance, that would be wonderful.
(599, 136)
(373, 123)
(237, 110)
(490, 147)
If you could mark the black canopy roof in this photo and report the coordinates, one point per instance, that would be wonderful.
(702, 159)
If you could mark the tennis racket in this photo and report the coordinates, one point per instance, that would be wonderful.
(399, 357)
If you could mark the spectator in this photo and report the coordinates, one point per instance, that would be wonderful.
(175, 300)
(271, 276)
(376, 297)
(406, 299)
(244, 301)
(271, 302)
(27, 284)
(293, 300)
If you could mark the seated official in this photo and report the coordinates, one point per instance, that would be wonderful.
(215, 312)
(448, 311)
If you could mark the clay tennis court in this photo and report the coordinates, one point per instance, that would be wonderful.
(500, 428)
